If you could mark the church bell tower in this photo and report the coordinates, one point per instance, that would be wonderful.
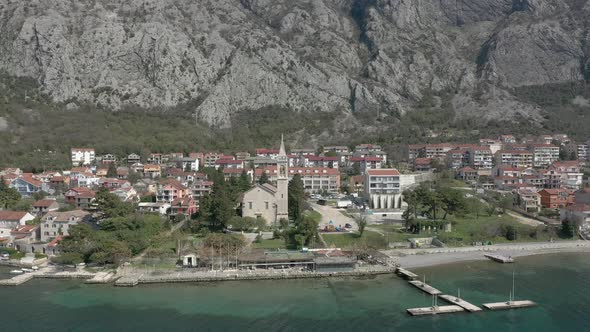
(282, 195)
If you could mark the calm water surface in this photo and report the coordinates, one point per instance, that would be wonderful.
(559, 283)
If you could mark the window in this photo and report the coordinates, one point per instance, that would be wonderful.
(250, 205)
(266, 205)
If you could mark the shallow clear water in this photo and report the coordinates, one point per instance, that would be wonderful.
(559, 283)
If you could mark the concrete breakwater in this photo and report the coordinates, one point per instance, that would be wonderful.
(48, 273)
(185, 277)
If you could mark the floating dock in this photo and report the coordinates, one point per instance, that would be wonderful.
(436, 310)
(500, 258)
(510, 305)
(460, 302)
(406, 274)
(425, 287)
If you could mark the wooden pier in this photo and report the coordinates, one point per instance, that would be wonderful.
(500, 258)
(435, 310)
(510, 305)
(425, 287)
(406, 274)
(460, 302)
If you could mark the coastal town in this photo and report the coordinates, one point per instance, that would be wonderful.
(302, 212)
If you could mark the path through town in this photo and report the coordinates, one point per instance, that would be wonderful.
(331, 213)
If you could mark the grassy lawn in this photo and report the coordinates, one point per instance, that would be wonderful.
(469, 229)
(347, 240)
(14, 254)
(314, 215)
(270, 244)
(386, 227)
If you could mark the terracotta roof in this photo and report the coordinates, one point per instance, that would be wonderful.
(24, 229)
(304, 171)
(147, 167)
(544, 146)
(172, 182)
(567, 163)
(80, 170)
(12, 215)
(29, 178)
(55, 241)
(66, 216)
(422, 161)
(184, 201)
(555, 191)
(515, 152)
(82, 149)
(385, 172)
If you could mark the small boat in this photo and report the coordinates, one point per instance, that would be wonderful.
(35, 268)
(28, 270)
(16, 272)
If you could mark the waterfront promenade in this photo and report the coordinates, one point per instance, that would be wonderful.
(134, 277)
(411, 258)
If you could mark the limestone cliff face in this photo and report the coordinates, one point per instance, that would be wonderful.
(319, 55)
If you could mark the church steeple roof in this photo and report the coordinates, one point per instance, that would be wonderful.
(282, 150)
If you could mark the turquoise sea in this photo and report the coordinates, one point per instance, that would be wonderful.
(559, 283)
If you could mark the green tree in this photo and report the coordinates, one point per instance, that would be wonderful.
(112, 171)
(220, 208)
(263, 178)
(24, 204)
(511, 232)
(568, 228)
(474, 206)
(411, 198)
(244, 182)
(361, 221)
(452, 201)
(296, 198)
(111, 205)
(133, 177)
(506, 202)
(39, 195)
(9, 196)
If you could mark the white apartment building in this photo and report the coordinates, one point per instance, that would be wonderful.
(481, 157)
(83, 156)
(544, 154)
(583, 152)
(315, 179)
(383, 188)
(515, 158)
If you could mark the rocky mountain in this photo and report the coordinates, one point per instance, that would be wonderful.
(349, 56)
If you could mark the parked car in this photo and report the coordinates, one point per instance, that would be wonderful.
(4, 254)
(348, 226)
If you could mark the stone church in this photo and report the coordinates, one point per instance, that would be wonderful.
(267, 201)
